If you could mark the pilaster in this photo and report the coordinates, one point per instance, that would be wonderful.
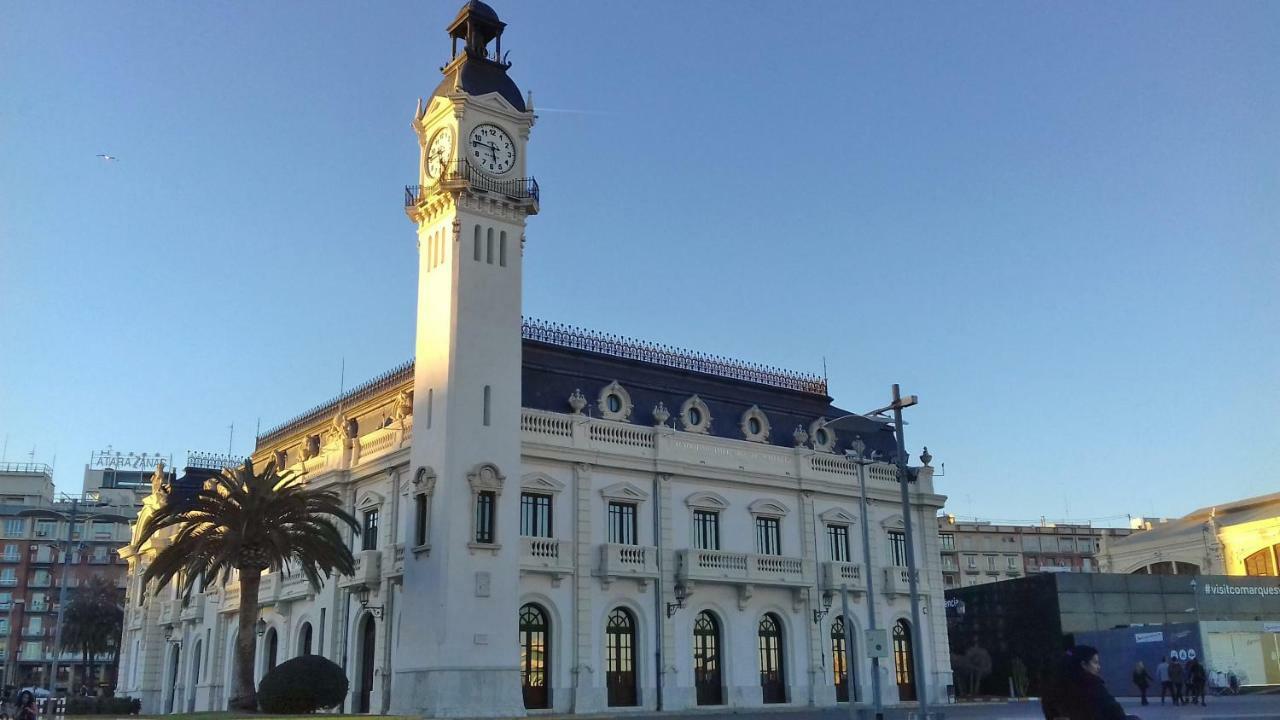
(586, 694)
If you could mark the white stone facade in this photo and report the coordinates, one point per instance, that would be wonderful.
(578, 577)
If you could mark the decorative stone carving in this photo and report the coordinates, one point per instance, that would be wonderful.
(311, 447)
(282, 459)
(801, 437)
(754, 425)
(823, 438)
(660, 414)
(404, 405)
(695, 416)
(925, 457)
(158, 478)
(614, 402)
(577, 401)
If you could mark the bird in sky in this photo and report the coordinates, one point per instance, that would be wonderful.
(108, 158)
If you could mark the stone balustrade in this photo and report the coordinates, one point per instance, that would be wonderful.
(743, 568)
(843, 574)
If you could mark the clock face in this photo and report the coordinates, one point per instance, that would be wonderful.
(439, 151)
(491, 149)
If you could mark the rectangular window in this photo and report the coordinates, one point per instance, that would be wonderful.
(991, 562)
(971, 561)
(1066, 545)
(706, 529)
(948, 541)
(45, 528)
(768, 536)
(502, 248)
(535, 515)
(420, 520)
(477, 244)
(369, 537)
(838, 539)
(1013, 563)
(898, 548)
(11, 553)
(485, 506)
(622, 523)
(15, 527)
(487, 395)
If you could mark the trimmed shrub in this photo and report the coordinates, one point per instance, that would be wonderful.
(103, 705)
(302, 685)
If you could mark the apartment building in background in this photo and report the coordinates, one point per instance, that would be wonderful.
(976, 552)
(31, 562)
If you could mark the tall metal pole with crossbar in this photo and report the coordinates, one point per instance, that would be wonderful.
(917, 647)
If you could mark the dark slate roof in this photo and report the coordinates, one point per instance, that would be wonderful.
(183, 490)
(479, 77)
(558, 359)
(552, 372)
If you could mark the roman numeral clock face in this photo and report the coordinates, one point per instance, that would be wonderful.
(491, 149)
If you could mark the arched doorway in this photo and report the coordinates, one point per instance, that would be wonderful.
(706, 659)
(620, 658)
(843, 670)
(270, 650)
(195, 675)
(773, 682)
(535, 656)
(304, 639)
(368, 644)
(904, 668)
(176, 655)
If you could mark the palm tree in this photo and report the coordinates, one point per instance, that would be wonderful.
(93, 621)
(248, 522)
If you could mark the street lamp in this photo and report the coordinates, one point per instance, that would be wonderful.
(897, 405)
(682, 594)
(363, 595)
(70, 518)
(260, 627)
(818, 614)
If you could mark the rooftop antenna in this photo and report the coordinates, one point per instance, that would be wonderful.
(230, 437)
(342, 382)
(824, 372)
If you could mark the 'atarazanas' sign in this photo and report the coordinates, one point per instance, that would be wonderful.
(112, 460)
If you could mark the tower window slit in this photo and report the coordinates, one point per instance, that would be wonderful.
(477, 244)
(487, 394)
(430, 397)
(489, 246)
(502, 248)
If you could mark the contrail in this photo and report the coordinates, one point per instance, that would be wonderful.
(571, 111)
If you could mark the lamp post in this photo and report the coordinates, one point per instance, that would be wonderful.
(856, 453)
(70, 518)
(897, 405)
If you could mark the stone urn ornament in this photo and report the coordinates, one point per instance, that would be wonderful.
(660, 414)
(577, 401)
(800, 435)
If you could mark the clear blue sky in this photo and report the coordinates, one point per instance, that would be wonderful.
(1055, 222)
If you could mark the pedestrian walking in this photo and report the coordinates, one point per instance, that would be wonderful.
(1078, 692)
(1177, 676)
(1196, 680)
(26, 709)
(1162, 674)
(1142, 679)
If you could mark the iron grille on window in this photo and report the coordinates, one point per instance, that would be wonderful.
(420, 520)
(898, 548)
(535, 515)
(706, 529)
(622, 523)
(838, 536)
(768, 536)
(485, 502)
(369, 536)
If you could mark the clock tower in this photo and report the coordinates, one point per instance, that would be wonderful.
(456, 647)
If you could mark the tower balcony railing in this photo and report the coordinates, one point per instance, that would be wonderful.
(461, 173)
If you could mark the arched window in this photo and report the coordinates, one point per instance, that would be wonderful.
(844, 676)
(904, 669)
(304, 639)
(706, 660)
(773, 680)
(535, 656)
(368, 647)
(270, 645)
(477, 244)
(1259, 564)
(620, 658)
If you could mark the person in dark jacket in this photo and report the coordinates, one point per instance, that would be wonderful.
(1178, 676)
(1079, 692)
(1142, 679)
(1196, 679)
